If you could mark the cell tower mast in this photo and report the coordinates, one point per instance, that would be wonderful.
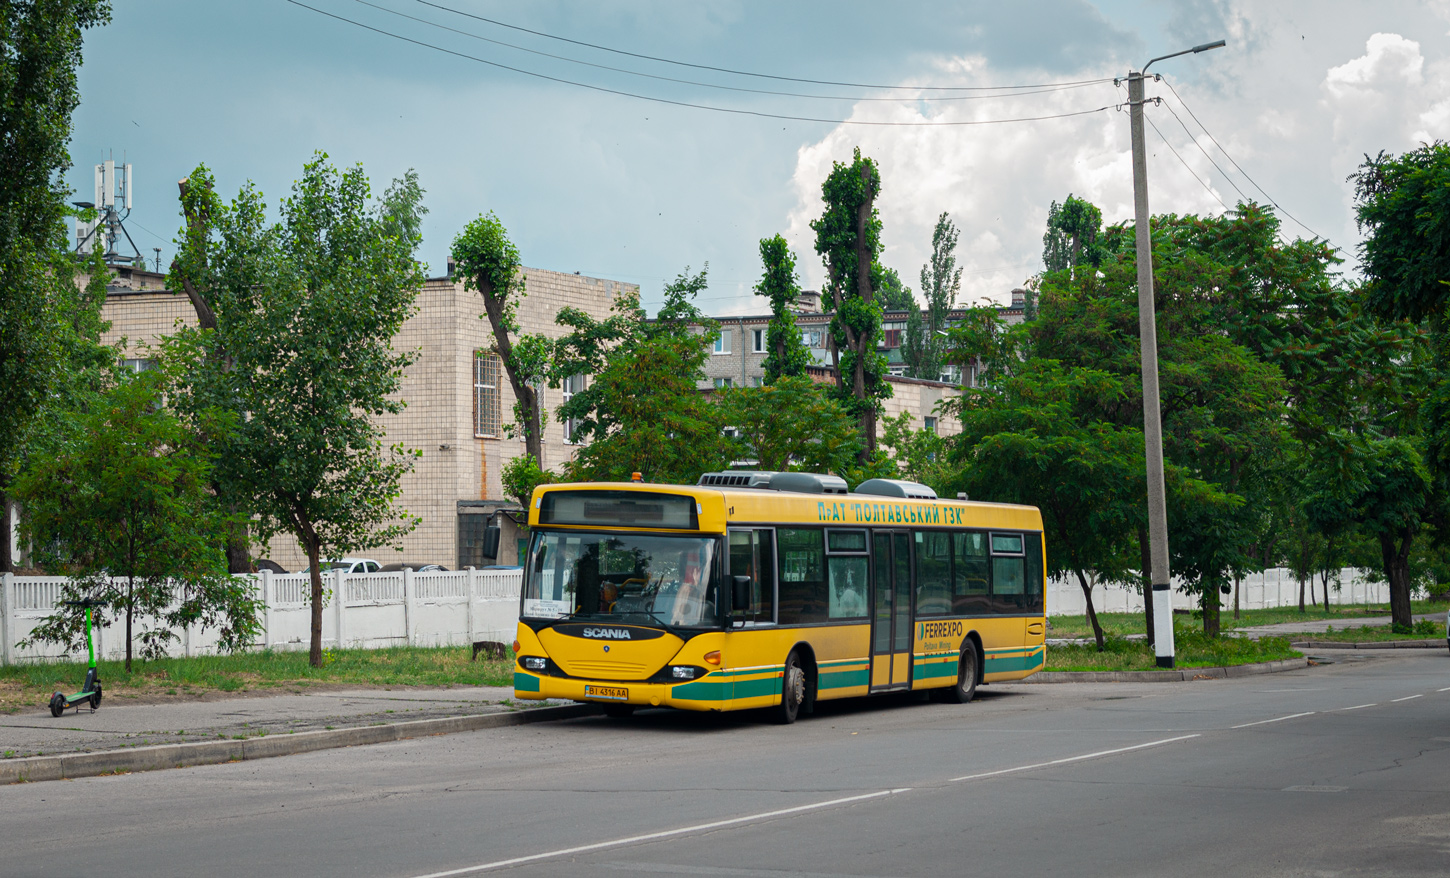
(114, 184)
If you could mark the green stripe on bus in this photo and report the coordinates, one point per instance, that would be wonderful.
(724, 690)
(525, 682)
(1000, 664)
(843, 679)
(933, 671)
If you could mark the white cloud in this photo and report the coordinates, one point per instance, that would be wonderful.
(996, 181)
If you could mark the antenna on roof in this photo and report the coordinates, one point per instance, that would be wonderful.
(114, 186)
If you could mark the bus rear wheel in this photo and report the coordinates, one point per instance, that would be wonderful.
(793, 690)
(966, 686)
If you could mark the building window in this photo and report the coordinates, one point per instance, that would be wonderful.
(757, 381)
(138, 365)
(487, 404)
(757, 337)
(892, 338)
(572, 385)
(724, 382)
(930, 424)
(811, 338)
(722, 342)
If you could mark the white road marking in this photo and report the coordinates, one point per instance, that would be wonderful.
(1070, 759)
(1446, 689)
(1406, 698)
(750, 818)
(1356, 707)
(1277, 719)
(652, 836)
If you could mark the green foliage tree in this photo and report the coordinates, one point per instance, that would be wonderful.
(40, 50)
(891, 293)
(848, 237)
(793, 424)
(306, 310)
(120, 503)
(489, 263)
(924, 347)
(522, 475)
(786, 355)
(642, 411)
(919, 455)
(1037, 437)
(1072, 234)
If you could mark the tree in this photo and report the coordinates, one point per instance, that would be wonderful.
(121, 504)
(40, 50)
(489, 263)
(848, 237)
(1072, 236)
(786, 353)
(792, 424)
(1034, 439)
(924, 348)
(306, 310)
(892, 293)
(642, 411)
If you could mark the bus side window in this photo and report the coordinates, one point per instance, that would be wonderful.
(802, 575)
(970, 591)
(1034, 573)
(752, 554)
(1009, 574)
(933, 573)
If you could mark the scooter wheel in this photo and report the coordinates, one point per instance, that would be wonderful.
(57, 704)
(96, 697)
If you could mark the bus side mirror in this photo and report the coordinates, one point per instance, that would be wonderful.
(490, 541)
(740, 593)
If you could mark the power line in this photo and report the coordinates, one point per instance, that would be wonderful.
(1194, 141)
(1200, 180)
(1225, 152)
(731, 110)
(1005, 92)
(746, 72)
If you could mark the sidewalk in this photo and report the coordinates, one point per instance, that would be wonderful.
(119, 725)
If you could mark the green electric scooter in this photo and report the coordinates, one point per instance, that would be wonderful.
(91, 691)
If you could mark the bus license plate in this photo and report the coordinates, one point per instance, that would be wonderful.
(613, 693)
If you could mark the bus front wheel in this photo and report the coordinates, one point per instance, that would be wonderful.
(966, 685)
(793, 690)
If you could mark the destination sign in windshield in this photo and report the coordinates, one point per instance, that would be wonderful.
(619, 509)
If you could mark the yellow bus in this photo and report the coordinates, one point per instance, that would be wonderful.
(773, 590)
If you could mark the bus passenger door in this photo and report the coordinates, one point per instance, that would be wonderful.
(891, 611)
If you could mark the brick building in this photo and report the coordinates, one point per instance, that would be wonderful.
(459, 403)
(740, 349)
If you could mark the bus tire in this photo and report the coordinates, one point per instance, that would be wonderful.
(793, 690)
(966, 686)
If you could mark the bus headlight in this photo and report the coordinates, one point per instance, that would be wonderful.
(534, 663)
(682, 672)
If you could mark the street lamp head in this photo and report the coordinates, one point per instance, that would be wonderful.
(1217, 44)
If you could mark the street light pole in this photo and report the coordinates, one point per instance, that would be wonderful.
(1162, 589)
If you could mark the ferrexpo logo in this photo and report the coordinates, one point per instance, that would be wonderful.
(927, 630)
(606, 633)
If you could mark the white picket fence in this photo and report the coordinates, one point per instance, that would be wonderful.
(378, 609)
(1275, 587)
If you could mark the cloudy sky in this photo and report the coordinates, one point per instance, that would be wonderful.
(591, 180)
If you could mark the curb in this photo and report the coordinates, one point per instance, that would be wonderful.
(71, 765)
(1438, 643)
(1173, 676)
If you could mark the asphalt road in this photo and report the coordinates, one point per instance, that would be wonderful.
(1336, 770)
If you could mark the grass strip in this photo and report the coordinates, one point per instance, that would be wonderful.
(1123, 624)
(31, 684)
(1377, 634)
(1192, 649)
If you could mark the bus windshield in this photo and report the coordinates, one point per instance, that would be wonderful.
(643, 579)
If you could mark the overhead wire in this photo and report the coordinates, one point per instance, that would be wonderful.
(735, 72)
(730, 110)
(1190, 170)
(1236, 165)
(1001, 92)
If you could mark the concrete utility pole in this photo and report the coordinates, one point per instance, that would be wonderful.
(1162, 596)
